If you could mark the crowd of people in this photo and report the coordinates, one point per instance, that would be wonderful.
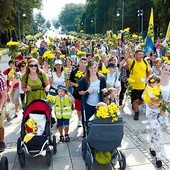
(85, 73)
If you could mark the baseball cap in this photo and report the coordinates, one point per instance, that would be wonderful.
(58, 62)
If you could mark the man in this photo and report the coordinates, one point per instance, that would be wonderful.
(3, 95)
(74, 83)
(139, 71)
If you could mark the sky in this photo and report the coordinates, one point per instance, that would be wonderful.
(52, 8)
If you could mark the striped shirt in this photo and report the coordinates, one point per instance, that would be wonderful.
(2, 83)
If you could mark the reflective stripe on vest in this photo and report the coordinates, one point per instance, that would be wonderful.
(63, 108)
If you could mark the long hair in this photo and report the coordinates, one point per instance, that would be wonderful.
(27, 71)
(87, 75)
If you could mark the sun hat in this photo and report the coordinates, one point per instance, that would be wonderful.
(61, 87)
(58, 62)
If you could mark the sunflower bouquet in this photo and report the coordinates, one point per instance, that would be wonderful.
(49, 55)
(129, 86)
(13, 48)
(110, 111)
(78, 76)
(104, 71)
(50, 99)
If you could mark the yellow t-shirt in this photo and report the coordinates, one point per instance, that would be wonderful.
(138, 73)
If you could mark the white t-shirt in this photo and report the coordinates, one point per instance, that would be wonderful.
(58, 80)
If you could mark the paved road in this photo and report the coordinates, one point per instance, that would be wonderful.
(68, 156)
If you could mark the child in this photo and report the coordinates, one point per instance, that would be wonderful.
(112, 96)
(63, 104)
(153, 111)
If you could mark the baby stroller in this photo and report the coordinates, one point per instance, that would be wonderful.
(4, 163)
(39, 140)
(103, 136)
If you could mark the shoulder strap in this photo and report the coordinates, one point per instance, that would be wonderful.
(131, 68)
(146, 65)
(133, 63)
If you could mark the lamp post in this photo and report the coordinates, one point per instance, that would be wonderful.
(140, 13)
(94, 20)
(122, 13)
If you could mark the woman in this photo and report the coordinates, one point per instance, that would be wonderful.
(45, 67)
(12, 90)
(34, 82)
(57, 77)
(22, 67)
(154, 121)
(91, 87)
(156, 68)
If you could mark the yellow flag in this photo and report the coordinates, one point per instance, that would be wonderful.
(168, 32)
(151, 26)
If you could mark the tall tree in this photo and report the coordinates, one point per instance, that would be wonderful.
(70, 16)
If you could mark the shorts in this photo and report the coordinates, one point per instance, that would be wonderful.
(78, 105)
(62, 122)
(137, 94)
(15, 96)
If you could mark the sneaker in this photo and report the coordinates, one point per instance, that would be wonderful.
(79, 124)
(136, 116)
(158, 163)
(67, 138)
(61, 138)
(2, 146)
(152, 152)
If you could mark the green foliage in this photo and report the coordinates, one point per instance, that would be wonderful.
(70, 16)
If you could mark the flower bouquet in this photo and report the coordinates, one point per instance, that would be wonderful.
(51, 100)
(49, 55)
(13, 48)
(129, 88)
(104, 71)
(81, 54)
(25, 49)
(78, 76)
(109, 111)
(34, 53)
(66, 74)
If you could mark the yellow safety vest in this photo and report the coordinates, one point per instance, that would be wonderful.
(63, 107)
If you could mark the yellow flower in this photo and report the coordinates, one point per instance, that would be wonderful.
(51, 98)
(11, 73)
(12, 43)
(126, 29)
(104, 70)
(134, 36)
(66, 69)
(152, 80)
(131, 81)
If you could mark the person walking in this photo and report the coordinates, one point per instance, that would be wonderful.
(74, 82)
(63, 111)
(139, 71)
(91, 87)
(34, 82)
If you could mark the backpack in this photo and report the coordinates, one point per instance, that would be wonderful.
(133, 63)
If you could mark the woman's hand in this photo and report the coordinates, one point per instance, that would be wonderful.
(89, 91)
(28, 88)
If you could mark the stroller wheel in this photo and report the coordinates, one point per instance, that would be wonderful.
(4, 163)
(83, 149)
(21, 157)
(54, 145)
(48, 157)
(122, 160)
(88, 161)
(18, 145)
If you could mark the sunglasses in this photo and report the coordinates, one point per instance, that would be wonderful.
(33, 65)
(22, 65)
